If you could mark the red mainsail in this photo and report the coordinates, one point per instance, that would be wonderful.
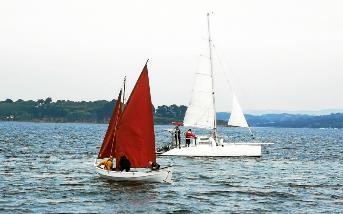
(135, 137)
(108, 145)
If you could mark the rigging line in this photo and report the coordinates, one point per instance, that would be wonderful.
(229, 83)
(203, 74)
(222, 68)
(121, 87)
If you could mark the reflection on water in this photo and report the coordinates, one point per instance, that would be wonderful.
(49, 168)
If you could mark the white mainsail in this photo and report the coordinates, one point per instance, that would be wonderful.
(237, 117)
(200, 111)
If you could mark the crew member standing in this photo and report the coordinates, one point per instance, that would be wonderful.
(177, 137)
(189, 136)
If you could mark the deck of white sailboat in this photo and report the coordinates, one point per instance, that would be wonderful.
(234, 149)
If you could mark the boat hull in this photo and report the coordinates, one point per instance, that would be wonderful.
(224, 150)
(162, 175)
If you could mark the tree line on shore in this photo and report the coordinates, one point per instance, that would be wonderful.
(45, 110)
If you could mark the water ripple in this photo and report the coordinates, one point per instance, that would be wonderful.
(48, 168)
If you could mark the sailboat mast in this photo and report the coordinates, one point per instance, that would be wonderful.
(124, 87)
(212, 77)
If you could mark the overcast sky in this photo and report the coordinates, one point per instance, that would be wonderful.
(283, 55)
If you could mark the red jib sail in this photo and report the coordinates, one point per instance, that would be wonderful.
(135, 135)
(108, 145)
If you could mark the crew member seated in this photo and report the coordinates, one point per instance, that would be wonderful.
(154, 165)
(124, 164)
(107, 163)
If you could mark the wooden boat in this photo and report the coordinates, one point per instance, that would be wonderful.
(130, 133)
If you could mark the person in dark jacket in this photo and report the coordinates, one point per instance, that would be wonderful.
(154, 165)
(177, 137)
(124, 164)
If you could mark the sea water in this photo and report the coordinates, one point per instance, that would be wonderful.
(48, 168)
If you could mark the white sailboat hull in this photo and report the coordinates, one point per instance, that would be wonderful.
(162, 175)
(224, 150)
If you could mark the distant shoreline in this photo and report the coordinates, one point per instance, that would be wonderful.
(220, 123)
(99, 112)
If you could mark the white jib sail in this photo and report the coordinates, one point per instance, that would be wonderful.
(237, 117)
(200, 111)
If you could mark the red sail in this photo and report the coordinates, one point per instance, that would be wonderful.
(108, 145)
(135, 134)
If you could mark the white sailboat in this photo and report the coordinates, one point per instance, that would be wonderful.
(201, 114)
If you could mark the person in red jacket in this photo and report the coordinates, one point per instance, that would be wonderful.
(189, 135)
